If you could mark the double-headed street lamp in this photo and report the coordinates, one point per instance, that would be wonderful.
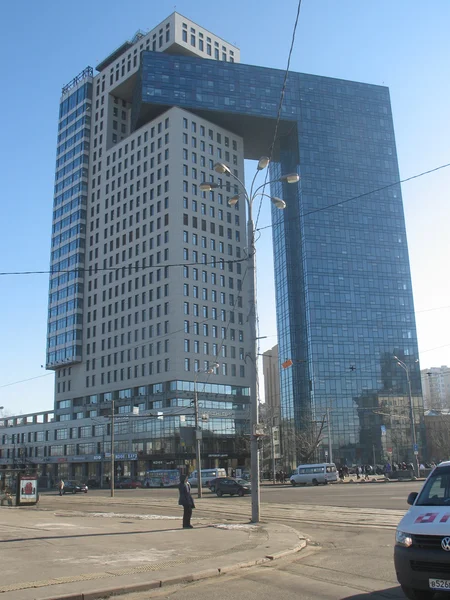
(405, 367)
(280, 204)
(198, 439)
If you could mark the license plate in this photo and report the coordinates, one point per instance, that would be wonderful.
(440, 584)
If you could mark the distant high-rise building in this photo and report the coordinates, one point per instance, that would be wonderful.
(271, 372)
(436, 387)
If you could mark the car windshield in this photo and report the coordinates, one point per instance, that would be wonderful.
(436, 491)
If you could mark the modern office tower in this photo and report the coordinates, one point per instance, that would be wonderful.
(149, 285)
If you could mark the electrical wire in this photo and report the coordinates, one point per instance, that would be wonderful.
(280, 104)
(238, 260)
(24, 380)
(384, 187)
(94, 270)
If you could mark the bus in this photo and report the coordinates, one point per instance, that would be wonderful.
(162, 478)
(314, 474)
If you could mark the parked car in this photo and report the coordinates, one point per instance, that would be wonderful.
(73, 487)
(93, 483)
(128, 484)
(232, 486)
(212, 484)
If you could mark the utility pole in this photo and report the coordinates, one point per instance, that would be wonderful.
(198, 441)
(272, 445)
(198, 432)
(112, 448)
(330, 445)
(405, 367)
(280, 204)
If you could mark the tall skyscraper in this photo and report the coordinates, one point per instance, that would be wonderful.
(148, 283)
(149, 288)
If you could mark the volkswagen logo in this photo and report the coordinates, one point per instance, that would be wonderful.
(445, 544)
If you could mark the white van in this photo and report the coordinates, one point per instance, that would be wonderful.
(422, 539)
(207, 475)
(314, 474)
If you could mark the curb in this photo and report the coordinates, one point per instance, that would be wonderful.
(188, 578)
(386, 480)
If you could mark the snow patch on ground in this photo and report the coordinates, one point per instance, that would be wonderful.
(149, 555)
(235, 526)
(54, 525)
(134, 516)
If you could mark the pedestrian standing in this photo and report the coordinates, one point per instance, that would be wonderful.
(61, 487)
(186, 501)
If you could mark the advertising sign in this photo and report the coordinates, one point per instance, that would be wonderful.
(27, 492)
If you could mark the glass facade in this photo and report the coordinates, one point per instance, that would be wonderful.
(343, 285)
(64, 333)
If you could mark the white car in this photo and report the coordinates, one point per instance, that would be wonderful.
(314, 474)
(422, 540)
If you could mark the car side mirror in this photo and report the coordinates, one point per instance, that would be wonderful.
(412, 498)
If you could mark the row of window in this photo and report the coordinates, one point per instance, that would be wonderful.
(205, 47)
(69, 353)
(78, 215)
(157, 367)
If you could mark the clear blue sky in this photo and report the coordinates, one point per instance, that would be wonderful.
(403, 44)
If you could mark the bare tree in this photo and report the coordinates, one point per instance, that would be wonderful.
(308, 439)
(438, 435)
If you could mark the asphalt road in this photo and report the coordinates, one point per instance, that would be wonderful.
(338, 564)
(367, 495)
(349, 553)
(348, 563)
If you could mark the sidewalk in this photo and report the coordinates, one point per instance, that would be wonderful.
(47, 554)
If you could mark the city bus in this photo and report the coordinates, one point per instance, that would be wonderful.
(162, 478)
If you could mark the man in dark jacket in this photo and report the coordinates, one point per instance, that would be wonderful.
(186, 501)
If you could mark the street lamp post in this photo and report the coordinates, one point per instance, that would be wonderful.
(405, 367)
(112, 448)
(198, 439)
(280, 204)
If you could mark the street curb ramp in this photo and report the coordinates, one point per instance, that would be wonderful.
(153, 584)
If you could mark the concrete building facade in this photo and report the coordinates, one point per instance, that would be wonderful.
(436, 387)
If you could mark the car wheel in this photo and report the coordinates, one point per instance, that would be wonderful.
(413, 594)
(212, 489)
(325, 483)
(241, 493)
(315, 482)
(219, 493)
(293, 483)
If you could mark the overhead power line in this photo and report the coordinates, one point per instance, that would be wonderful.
(130, 267)
(280, 104)
(384, 187)
(24, 380)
